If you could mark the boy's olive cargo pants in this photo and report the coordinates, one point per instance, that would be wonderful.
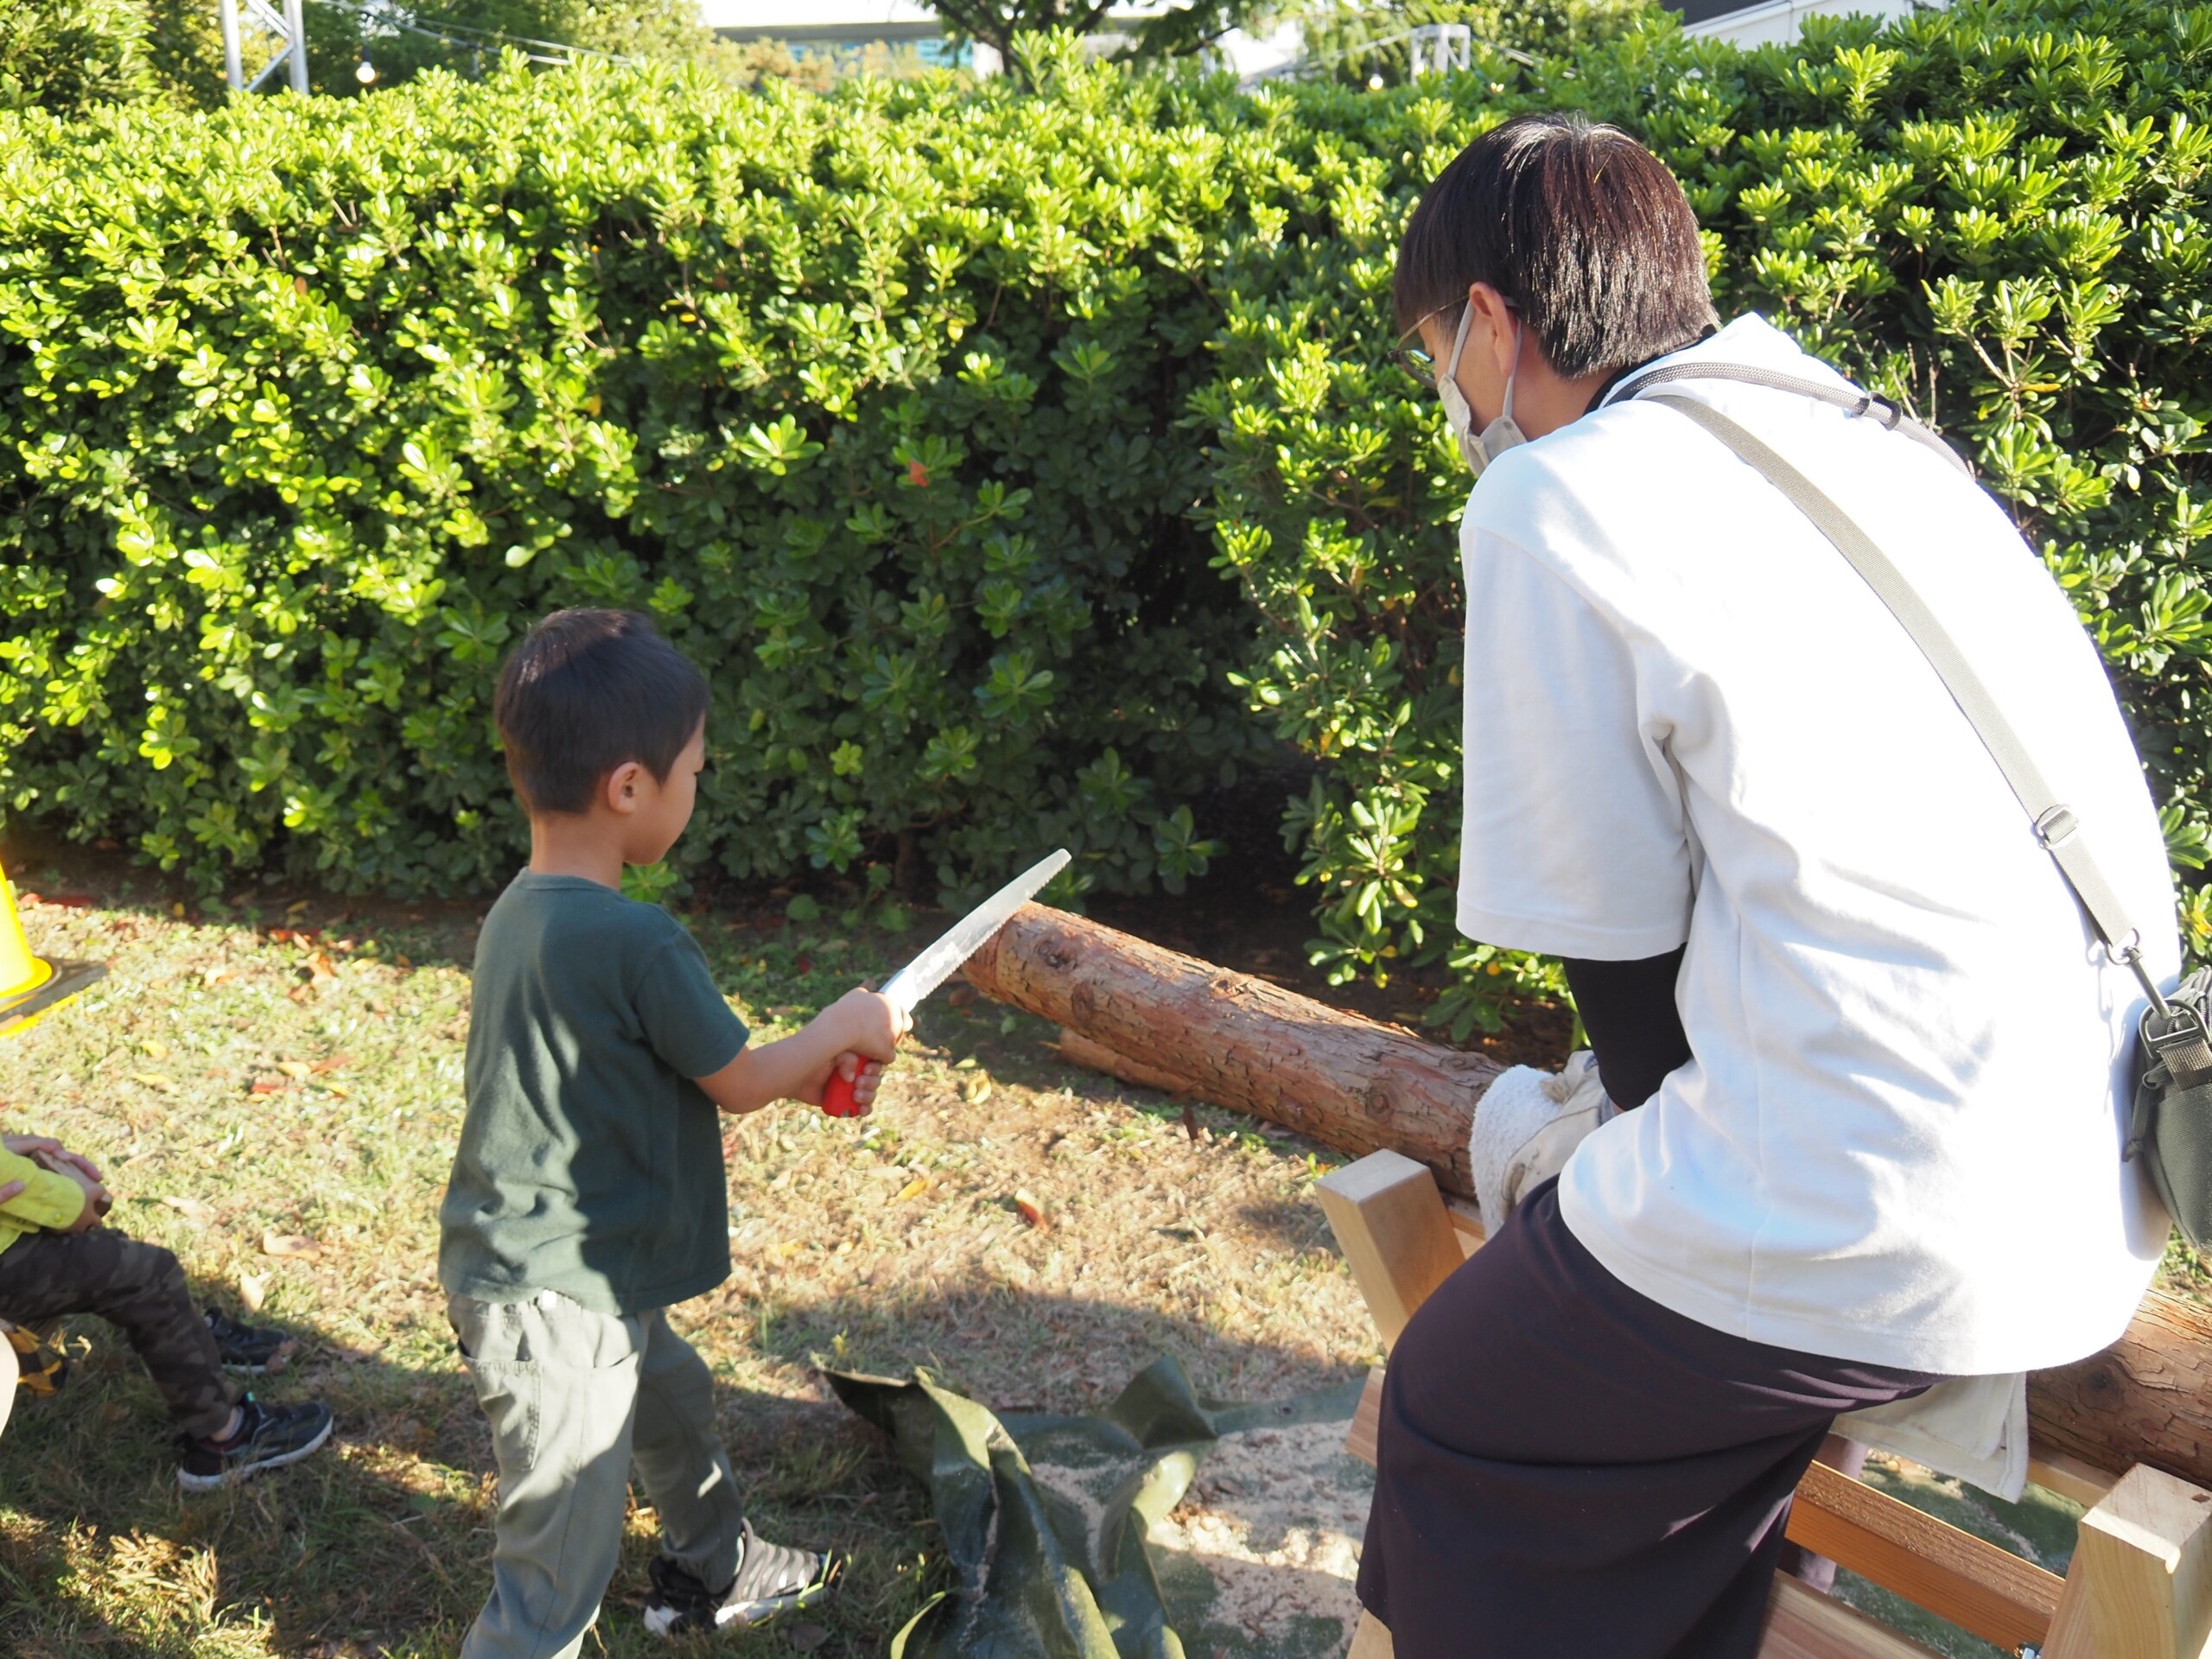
(574, 1397)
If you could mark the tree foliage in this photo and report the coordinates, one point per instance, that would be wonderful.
(64, 56)
(1019, 464)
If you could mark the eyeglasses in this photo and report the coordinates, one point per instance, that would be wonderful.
(1414, 358)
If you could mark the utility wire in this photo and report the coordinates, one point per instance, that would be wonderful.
(412, 23)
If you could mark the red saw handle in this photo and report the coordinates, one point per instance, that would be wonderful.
(837, 1097)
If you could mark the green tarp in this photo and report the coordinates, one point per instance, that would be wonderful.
(1045, 1517)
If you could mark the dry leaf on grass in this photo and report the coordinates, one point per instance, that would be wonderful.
(288, 1244)
(216, 976)
(975, 1089)
(335, 1063)
(190, 1209)
(253, 1290)
(913, 1189)
(1032, 1211)
(154, 1049)
(153, 1080)
(298, 1070)
(268, 1086)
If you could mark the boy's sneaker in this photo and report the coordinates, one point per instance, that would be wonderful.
(269, 1438)
(245, 1348)
(771, 1579)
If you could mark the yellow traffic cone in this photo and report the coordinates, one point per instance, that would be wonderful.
(31, 987)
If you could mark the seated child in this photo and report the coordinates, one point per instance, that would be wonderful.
(588, 1191)
(57, 1259)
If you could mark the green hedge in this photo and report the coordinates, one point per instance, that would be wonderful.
(305, 408)
(1018, 465)
(1995, 214)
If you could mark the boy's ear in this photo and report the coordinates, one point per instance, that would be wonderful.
(622, 788)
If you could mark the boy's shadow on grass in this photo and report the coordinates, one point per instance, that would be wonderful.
(381, 1543)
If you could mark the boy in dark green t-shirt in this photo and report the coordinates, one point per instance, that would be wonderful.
(587, 1193)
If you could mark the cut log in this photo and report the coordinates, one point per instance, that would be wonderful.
(1361, 1087)
(2147, 1399)
(1241, 1042)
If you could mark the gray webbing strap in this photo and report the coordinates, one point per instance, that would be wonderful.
(1847, 397)
(2055, 825)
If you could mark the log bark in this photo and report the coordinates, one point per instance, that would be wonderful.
(1241, 1042)
(1360, 1086)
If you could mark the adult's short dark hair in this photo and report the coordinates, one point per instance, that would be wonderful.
(589, 690)
(1585, 233)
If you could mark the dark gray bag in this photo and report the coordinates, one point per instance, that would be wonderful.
(2170, 1129)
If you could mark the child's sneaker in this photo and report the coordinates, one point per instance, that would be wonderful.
(245, 1348)
(771, 1579)
(269, 1438)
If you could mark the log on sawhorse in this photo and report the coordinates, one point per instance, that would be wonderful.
(2140, 1585)
(1172, 1022)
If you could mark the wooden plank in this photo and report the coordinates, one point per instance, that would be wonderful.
(1371, 1640)
(2069, 1477)
(1953, 1574)
(1394, 1230)
(1802, 1624)
(2141, 1583)
(1354, 1084)
(1466, 1221)
(1359, 1441)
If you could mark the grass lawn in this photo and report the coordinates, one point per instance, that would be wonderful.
(263, 1071)
(273, 1083)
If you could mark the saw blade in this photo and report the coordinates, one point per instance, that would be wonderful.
(936, 965)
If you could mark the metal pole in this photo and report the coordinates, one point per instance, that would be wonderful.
(295, 25)
(233, 59)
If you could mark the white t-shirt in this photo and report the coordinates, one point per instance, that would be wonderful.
(1690, 721)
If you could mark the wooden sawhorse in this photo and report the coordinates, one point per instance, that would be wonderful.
(2140, 1585)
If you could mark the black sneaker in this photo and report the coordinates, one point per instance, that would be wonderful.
(771, 1579)
(270, 1438)
(245, 1348)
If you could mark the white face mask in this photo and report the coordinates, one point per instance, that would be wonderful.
(1501, 433)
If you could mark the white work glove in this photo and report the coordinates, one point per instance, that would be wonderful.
(1527, 1124)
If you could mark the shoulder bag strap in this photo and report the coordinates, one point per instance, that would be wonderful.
(2056, 826)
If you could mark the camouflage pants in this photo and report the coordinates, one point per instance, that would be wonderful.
(138, 1288)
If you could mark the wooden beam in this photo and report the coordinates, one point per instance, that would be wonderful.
(1359, 1439)
(1371, 1640)
(1969, 1580)
(1359, 1086)
(1395, 1232)
(1802, 1624)
(2069, 1477)
(2140, 1586)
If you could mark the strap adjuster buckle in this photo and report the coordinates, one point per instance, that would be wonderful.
(2056, 827)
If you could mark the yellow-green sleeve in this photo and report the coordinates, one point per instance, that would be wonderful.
(48, 1200)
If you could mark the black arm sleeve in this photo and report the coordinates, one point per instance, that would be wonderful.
(1628, 1009)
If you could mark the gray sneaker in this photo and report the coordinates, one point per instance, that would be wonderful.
(772, 1578)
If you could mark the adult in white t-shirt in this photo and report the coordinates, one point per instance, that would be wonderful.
(1696, 740)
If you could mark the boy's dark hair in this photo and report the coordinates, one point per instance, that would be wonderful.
(586, 692)
(1585, 233)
